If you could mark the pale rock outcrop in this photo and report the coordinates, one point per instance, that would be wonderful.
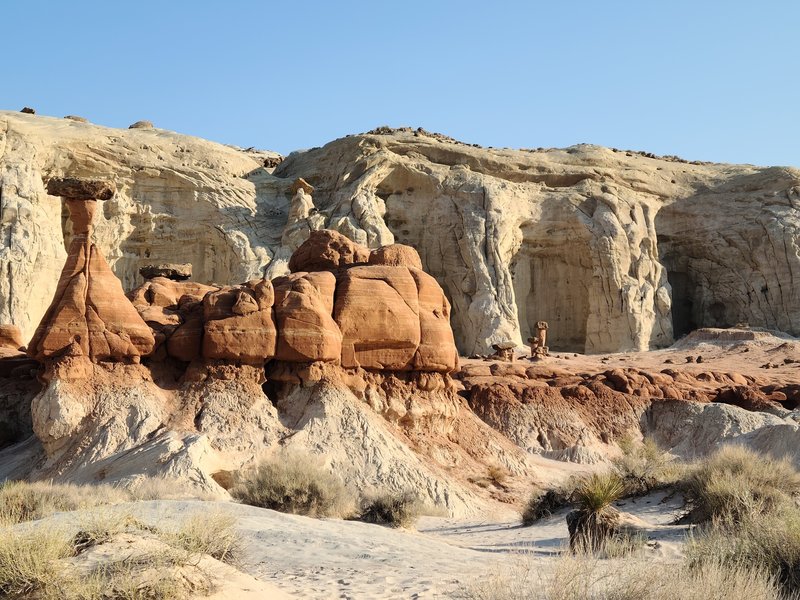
(179, 199)
(691, 430)
(572, 237)
(609, 247)
(301, 221)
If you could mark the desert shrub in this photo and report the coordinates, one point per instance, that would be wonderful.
(213, 534)
(769, 542)
(542, 504)
(736, 482)
(396, 509)
(645, 467)
(22, 501)
(595, 519)
(596, 492)
(28, 560)
(294, 483)
(496, 475)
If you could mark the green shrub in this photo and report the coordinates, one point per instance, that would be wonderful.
(595, 519)
(598, 491)
(393, 509)
(293, 483)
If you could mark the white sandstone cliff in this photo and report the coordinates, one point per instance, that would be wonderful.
(610, 247)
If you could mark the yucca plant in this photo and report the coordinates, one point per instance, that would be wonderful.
(595, 519)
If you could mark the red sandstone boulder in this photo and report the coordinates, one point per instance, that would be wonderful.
(327, 250)
(303, 314)
(396, 255)
(437, 348)
(377, 311)
(90, 309)
(239, 325)
(186, 340)
(10, 340)
(174, 311)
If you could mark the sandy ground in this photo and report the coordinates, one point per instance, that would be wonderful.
(310, 558)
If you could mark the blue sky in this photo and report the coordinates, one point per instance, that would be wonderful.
(704, 80)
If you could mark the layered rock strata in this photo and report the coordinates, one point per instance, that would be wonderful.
(89, 315)
(372, 310)
(615, 250)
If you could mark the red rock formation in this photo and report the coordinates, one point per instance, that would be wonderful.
(238, 323)
(10, 340)
(396, 255)
(89, 313)
(303, 314)
(327, 250)
(437, 348)
(377, 311)
(174, 311)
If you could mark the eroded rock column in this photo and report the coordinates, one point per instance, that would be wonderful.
(89, 315)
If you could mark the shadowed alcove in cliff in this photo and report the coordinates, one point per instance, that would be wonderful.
(551, 288)
(551, 277)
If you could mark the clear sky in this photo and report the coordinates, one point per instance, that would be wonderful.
(708, 80)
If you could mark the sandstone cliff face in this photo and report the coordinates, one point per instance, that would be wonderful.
(585, 238)
(611, 248)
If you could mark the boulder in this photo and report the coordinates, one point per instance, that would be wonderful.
(11, 339)
(71, 188)
(437, 349)
(396, 255)
(377, 310)
(175, 272)
(174, 311)
(327, 250)
(303, 314)
(239, 325)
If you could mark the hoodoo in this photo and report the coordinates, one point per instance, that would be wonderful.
(89, 314)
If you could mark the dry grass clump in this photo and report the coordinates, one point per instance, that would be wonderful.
(736, 483)
(28, 560)
(21, 501)
(213, 534)
(37, 561)
(584, 577)
(646, 467)
(165, 488)
(770, 542)
(395, 509)
(294, 483)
